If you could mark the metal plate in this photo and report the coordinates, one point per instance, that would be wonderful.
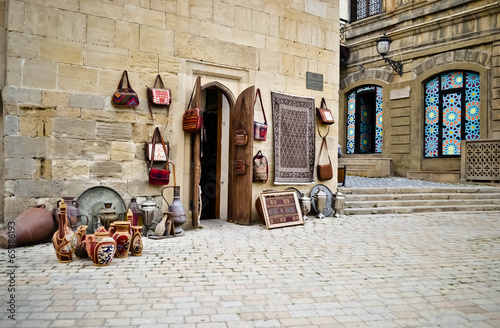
(328, 208)
(299, 194)
(92, 200)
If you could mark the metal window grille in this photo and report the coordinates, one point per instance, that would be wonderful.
(364, 8)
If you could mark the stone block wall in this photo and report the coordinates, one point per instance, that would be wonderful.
(63, 61)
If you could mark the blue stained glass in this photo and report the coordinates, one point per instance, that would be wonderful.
(452, 80)
(365, 126)
(379, 119)
(472, 106)
(351, 123)
(431, 123)
(367, 88)
(452, 123)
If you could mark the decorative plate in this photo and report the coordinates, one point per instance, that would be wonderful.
(92, 200)
(328, 207)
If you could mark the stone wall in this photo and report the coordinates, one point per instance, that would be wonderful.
(64, 60)
(429, 37)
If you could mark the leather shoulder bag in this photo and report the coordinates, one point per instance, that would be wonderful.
(324, 114)
(260, 129)
(192, 120)
(325, 171)
(125, 96)
(159, 177)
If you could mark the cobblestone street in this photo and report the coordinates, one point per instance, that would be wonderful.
(419, 270)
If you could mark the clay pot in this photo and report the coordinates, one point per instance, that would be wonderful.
(62, 238)
(78, 242)
(136, 241)
(33, 226)
(101, 248)
(120, 231)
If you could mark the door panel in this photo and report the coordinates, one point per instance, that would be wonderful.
(240, 186)
(196, 165)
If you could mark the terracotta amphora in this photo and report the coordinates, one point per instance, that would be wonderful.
(120, 231)
(100, 248)
(136, 241)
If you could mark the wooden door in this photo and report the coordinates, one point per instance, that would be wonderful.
(240, 186)
(196, 164)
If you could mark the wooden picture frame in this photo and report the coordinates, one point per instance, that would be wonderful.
(281, 209)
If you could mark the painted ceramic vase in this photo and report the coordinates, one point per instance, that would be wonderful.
(62, 237)
(120, 231)
(136, 241)
(101, 248)
(78, 242)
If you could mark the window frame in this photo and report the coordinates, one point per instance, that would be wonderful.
(368, 3)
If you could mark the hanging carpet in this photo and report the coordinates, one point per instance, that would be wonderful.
(294, 139)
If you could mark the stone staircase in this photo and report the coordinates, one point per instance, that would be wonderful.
(365, 201)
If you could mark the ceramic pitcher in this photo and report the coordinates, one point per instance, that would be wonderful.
(120, 231)
(101, 248)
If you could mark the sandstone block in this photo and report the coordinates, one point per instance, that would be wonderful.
(14, 72)
(216, 31)
(61, 51)
(250, 39)
(18, 146)
(40, 74)
(144, 16)
(316, 8)
(224, 13)
(75, 187)
(65, 148)
(114, 131)
(21, 95)
(103, 59)
(14, 206)
(200, 10)
(243, 19)
(142, 187)
(108, 115)
(19, 168)
(70, 169)
(135, 170)
(269, 61)
(126, 35)
(260, 22)
(38, 188)
(100, 31)
(43, 169)
(145, 63)
(54, 98)
(102, 8)
(35, 127)
(86, 101)
(23, 45)
(168, 6)
(11, 125)
(287, 65)
(15, 15)
(107, 169)
(77, 79)
(96, 150)
(76, 129)
(122, 151)
(71, 5)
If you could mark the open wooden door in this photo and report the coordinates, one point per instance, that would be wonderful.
(196, 164)
(240, 186)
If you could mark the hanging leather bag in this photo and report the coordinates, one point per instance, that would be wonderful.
(325, 171)
(159, 152)
(192, 120)
(158, 95)
(241, 135)
(239, 167)
(260, 168)
(125, 97)
(324, 114)
(159, 177)
(260, 129)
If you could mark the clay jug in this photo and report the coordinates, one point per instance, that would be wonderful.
(72, 210)
(100, 248)
(121, 234)
(34, 226)
(62, 237)
(78, 242)
(136, 241)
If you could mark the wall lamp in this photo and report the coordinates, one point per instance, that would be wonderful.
(383, 46)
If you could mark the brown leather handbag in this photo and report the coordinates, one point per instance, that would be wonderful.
(325, 171)
(324, 114)
(240, 167)
(192, 120)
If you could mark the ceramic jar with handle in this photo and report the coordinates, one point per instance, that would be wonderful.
(101, 248)
(63, 236)
(136, 245)
(120, 231)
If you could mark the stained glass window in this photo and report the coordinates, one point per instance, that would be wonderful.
(452, 112)
(364, 121)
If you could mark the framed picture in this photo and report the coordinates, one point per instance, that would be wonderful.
(281, 209)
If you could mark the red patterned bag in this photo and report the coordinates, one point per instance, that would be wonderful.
(125, 97)
(158, 95)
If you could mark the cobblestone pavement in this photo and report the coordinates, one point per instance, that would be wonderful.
(418, 270)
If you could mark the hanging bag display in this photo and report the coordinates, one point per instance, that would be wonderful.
(192, 120)
(260, 168)
(159, 177)
(125, 97)
(325, 171)
(158, 95)
(324, 114)
(241, 135)
(260, 129)
(159, 153)
(240, 167)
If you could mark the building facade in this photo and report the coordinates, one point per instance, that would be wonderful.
(438, 118)
(61, 63)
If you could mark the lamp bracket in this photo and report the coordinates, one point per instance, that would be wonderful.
(396, 66)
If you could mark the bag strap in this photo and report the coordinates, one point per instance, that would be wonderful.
(327, 131)
(124, 75)
(257, 94)
(323, 102)
(321, 149)
(191, 98)
(158, 83)
(153, 144)
(173, 170)
(258, 155)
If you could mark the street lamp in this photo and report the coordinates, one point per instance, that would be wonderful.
(383, 46)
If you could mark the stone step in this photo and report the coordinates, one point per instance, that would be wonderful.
(422, 209)
(420, 203)
(420, 196)
(419, 190)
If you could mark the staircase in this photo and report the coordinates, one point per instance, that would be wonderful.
(365, 201)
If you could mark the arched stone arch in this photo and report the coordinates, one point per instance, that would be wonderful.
(380, 74)
(225, 90)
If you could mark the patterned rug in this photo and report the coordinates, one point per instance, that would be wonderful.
(294, 139)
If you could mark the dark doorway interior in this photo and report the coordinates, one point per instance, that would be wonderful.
(210, 156)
